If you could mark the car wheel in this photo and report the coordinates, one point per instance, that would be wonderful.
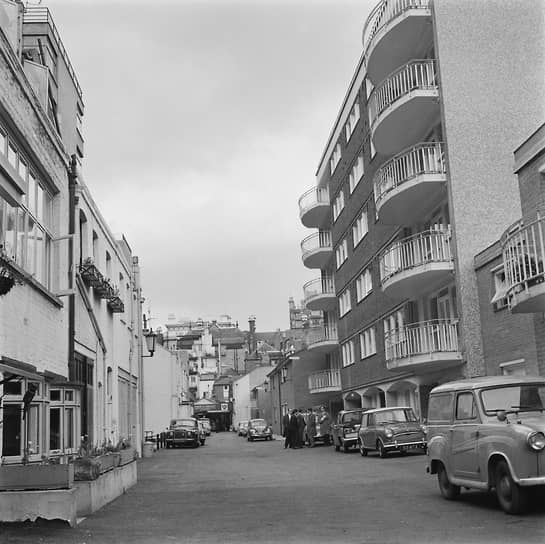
(363, 451)
(381, 449)
(448, 490)
(512, 498)
(197, 444)
(249, 439)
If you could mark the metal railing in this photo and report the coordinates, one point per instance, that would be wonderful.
(524, 255)
(316, 241)
(312, 197)
(422, 338)
(417, 74)
(431, 246)
(326, 379)
(40, 14)
(383, 13)
(318, 287)
(425, 158)
(318, 335)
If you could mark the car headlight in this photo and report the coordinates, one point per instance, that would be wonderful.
(536, 440)
(388, 433)
(252, 431)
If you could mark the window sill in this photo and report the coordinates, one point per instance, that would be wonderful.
(364, 297)
(367, 356)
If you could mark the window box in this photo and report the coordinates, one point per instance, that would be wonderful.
(36, 476)
(90, 274)
(116, 305)
(90, 468)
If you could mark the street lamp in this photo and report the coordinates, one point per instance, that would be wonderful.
(150, 337)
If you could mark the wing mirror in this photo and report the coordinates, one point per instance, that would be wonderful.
(501, 415)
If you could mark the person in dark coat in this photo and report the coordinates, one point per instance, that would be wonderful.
(285, 425)
(293, 430)
(311, 427)
(300, 429)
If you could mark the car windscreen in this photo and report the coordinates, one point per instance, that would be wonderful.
(400, 415)
(258, 423)
(352, 418)
(184, 423)
(520, 398)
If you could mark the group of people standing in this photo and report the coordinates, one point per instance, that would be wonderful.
(301, 428)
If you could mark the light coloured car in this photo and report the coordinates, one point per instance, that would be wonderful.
(259, 429)
(242, 428)
(390, 429)
(205, 423)
(488, 433)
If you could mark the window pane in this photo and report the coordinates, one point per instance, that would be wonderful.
(12, 155)
(69, 427)
(54, 428)
(31, 194)
(3, 142)
(33, 416)
(23, 169)
(31, 245)
(9, 237)
(40, 204)
(40, 271)
(21, 216)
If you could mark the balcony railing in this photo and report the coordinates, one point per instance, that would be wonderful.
(425, 247)
(428, 337)
(325, 380)
(319, 335)
(422, 159)
(312, 197)
(319, 287)
(415, 75)
(524, 256)
(315, 242)
(383, 13)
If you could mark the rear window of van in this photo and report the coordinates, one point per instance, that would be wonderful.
(440, 408)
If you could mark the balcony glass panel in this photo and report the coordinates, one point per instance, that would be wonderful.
(325, 380)
(315, 242)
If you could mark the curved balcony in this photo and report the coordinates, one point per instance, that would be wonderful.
(425, 346)
(320, 294)
(395, 32)
(322, 339)
(416, 265)
(314, 207)
(317, 249)
(410, 184)
(325, 381)
(523, 262)
(404, 106)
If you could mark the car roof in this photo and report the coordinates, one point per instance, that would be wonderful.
(375, 410)
(354, 410)
(485, 381)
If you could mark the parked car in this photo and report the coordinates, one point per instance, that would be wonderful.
(488, 433)
(344, 431)
(259, 429)
(390, 429)
(205, 422)
(242, 428)
(184, 432)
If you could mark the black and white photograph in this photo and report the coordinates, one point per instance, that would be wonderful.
(235, 231)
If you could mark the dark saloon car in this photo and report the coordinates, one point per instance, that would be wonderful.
(184, 432)
(391, 429)
(345, 429)
(258, 429)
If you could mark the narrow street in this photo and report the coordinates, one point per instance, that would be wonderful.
(233, 491)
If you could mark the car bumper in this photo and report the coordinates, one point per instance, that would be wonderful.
(182, 441)
(528, 482)
(350, 440)
(260, 435)
(398, 444)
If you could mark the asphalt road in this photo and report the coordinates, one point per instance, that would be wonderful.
(233, 491)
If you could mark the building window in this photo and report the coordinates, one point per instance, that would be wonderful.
(341, 253)
(364, 284)
(353, 119)
(360, 228)
(368, 345)
(347, 353)
(499, 300)
(356, 174)
(284, 377)
(513, 368)
(335, 158)
(344, 303)
(338, 205)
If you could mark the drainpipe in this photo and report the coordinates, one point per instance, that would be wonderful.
(72, 182)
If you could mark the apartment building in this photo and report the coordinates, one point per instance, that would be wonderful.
(415, 180)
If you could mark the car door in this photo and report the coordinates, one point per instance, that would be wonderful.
(367, 431)
(464, 437)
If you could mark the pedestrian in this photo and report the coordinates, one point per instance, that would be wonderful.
(325, 425)
(285, 426)
(300, 428)
(311, 427)
(293, 430)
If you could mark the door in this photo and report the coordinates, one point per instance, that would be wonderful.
(368, 433)
(11, 432)
(465, 437)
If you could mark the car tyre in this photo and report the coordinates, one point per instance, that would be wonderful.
(363, 451)
(512, 498)
(381, 449)
(448, 490)
(249, 439)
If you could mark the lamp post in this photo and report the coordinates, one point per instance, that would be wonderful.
(150, 337)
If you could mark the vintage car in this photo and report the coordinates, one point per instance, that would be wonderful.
(242, 428)
(205, 424)
(344, 431)
(390, 429)
(258, 429)
(184, 432)
(488, 433)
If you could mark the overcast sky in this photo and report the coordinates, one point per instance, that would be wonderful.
(204, 123)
